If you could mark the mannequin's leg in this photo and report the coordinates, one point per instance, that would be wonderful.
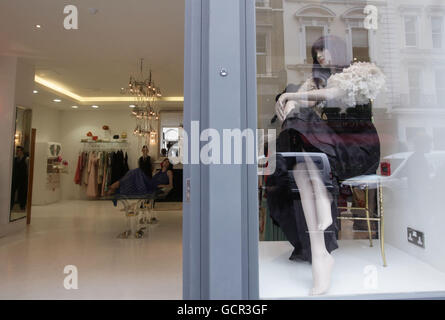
(322, 199)
(112, 189)
(322, 261)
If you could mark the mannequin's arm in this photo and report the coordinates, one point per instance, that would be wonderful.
(288, 101)
(313, 95)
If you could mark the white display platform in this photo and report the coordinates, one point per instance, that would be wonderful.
(404, 277)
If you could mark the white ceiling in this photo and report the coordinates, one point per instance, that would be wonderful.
(97, 59)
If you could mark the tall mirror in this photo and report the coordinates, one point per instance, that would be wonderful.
(21, 163)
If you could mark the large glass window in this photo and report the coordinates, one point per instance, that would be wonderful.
(359, 154)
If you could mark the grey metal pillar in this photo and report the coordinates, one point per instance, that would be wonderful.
(220, 224)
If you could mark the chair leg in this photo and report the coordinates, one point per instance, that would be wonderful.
(367, 215)
(382, 225)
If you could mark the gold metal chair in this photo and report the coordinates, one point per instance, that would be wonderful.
(365, 182)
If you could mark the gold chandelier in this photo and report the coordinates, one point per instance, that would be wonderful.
(144, 109)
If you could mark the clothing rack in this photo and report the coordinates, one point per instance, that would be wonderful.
(105, 146)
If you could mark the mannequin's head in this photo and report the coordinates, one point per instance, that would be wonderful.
(329, 52)
(329, 55)
(145, 151)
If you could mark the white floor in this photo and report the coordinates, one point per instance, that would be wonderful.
(355, 265)
(83, 233)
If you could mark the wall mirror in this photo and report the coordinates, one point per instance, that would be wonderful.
(20, 179)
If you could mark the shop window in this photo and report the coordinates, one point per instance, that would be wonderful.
(408, 130)
(410, 23)
(360, 44)
(170, 136)
(437, 32)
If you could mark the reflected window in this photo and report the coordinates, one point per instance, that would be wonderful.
(440, 87)
(437, 31)
(414, 87)
(360, 44)
(312, 34)
(170, 136)
(263, 54)
(410, 31)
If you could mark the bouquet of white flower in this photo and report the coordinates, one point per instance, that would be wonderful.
(360, 82)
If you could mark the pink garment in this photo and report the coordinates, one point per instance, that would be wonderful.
(92, 175)
(104, 181)
(77, 176)
(84, 175)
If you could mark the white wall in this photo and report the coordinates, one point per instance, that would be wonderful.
(12, 93)
(46, 121)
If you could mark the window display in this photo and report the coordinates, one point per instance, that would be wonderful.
(356, 89)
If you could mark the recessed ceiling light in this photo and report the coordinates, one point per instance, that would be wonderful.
(38, 26)
(132, 106)
(74, 107)
(35, 91)
(57, 100)
(95, 107)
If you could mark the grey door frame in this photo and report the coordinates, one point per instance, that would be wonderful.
(220, 218)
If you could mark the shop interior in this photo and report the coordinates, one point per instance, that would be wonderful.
(89, 99)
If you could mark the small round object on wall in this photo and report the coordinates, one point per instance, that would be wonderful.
(116, 136)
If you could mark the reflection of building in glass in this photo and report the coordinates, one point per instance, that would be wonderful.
(271, 75)
(407, 45)
(421, 65)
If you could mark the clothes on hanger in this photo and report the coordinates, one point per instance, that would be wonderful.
(97, 170)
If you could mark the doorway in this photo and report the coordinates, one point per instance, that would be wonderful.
(98, 90)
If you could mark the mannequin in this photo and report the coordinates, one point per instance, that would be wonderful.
(307, 115)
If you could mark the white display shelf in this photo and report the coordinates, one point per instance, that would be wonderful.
(404, 277)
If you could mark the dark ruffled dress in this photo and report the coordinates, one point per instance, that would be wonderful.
(351, 143)
(136, 182)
